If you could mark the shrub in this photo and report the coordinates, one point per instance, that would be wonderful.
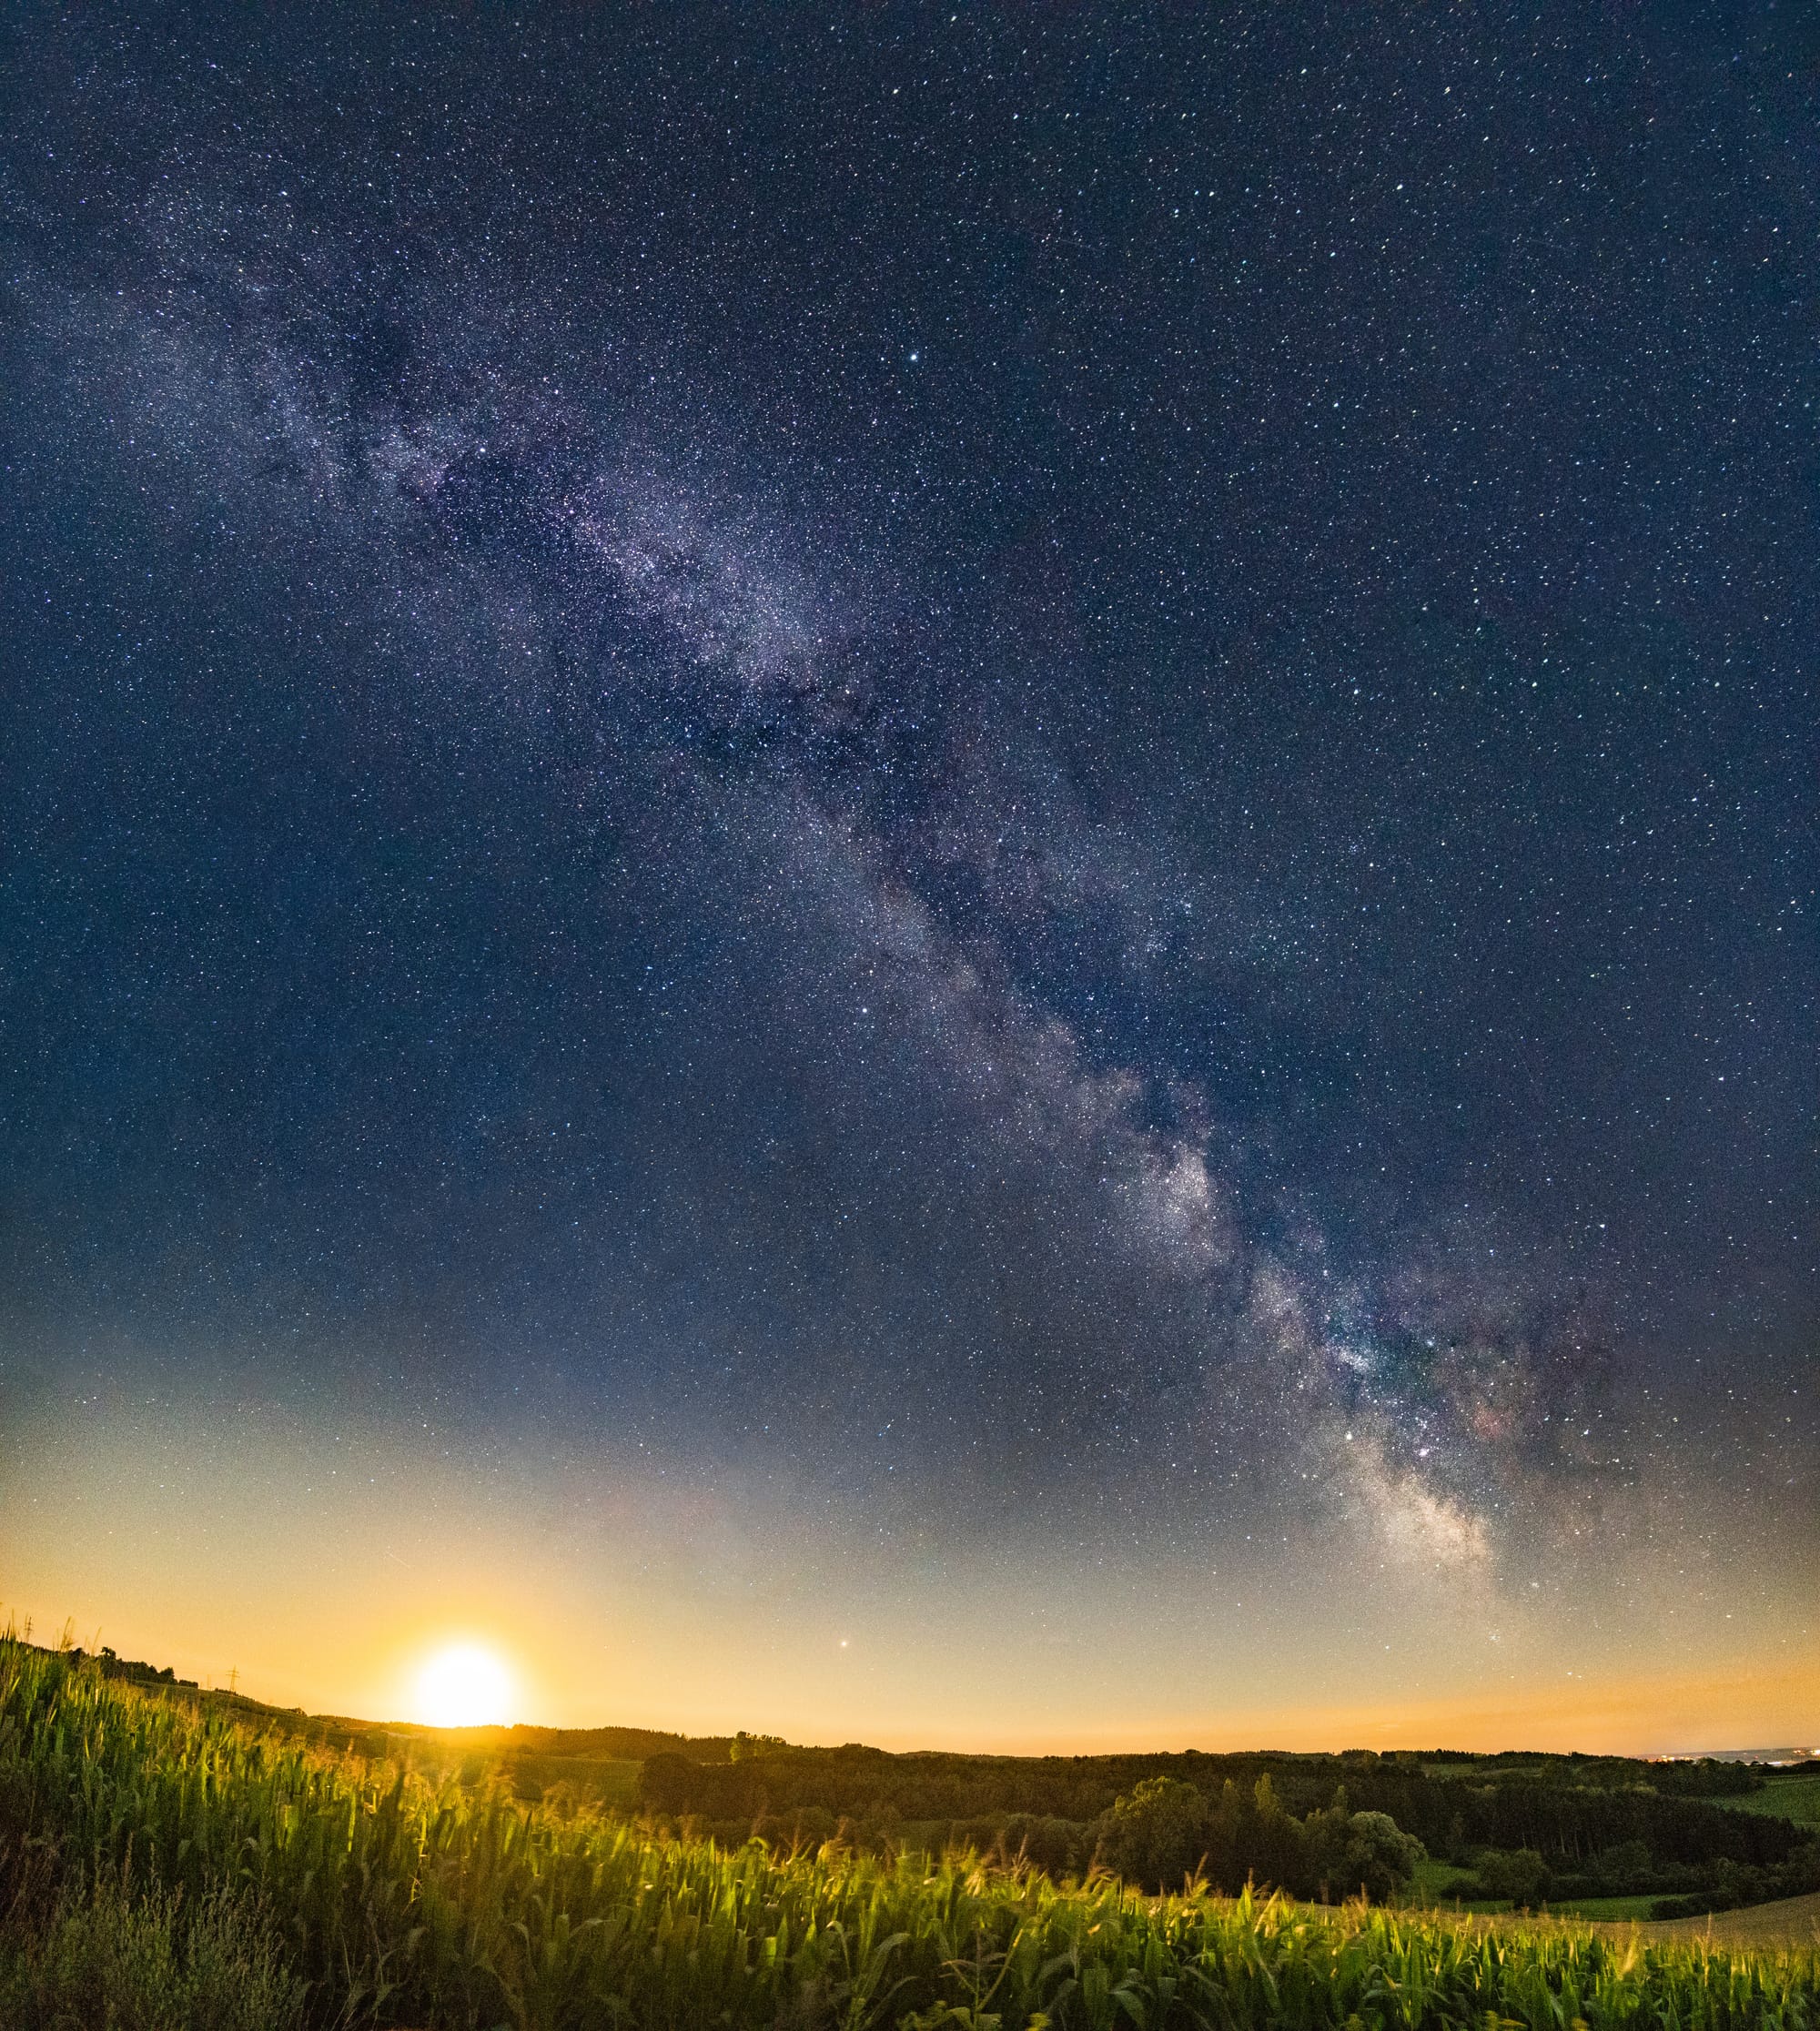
(1520, 1874)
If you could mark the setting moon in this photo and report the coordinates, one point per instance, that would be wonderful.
(464, 1685)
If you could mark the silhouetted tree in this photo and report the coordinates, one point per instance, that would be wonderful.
(1157, 1835)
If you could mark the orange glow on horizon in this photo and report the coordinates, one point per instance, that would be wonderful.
(325, 1576)
(1642, 1714)
(469, 1684)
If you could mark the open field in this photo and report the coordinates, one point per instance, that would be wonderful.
(384, 1899)
(1790, 1798)
(1790, 1921)
(1789, 1925)
(1622, 1910)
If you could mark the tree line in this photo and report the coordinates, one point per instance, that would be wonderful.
(1530, 1828)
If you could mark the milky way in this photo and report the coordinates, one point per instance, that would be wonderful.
(1046, 779)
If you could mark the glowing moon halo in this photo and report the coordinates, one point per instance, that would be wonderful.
(464, 1686)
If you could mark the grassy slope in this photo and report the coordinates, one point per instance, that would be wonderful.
(1790, 1921)
(1789, 1925)
(1609, 1910)
(1789, 1798)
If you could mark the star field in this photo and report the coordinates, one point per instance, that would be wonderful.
(1014, 810)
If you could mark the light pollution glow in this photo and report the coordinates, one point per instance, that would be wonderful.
(325, 1574)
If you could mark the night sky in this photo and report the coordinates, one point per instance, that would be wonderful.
(941, 877)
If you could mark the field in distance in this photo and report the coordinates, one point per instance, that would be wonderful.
(1788, 1922)
(1795, 1796)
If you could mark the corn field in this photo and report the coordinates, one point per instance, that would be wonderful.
(400, 1902)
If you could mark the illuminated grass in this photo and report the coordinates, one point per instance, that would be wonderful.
(407, 1904)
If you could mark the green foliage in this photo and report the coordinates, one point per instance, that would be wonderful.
(1157, 1836)
(1522, 1877)
(404, 1902)
(744, 1746)
(108, 1962)
(1796, 1799)
(1372, 1856)
(1605, 1825)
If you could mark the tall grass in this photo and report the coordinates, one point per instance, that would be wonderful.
(400, 1902)
(105, 1960)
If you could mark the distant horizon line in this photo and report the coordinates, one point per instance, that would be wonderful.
(1772, 1756)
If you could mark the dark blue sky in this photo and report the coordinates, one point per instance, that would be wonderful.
(1047, 773)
